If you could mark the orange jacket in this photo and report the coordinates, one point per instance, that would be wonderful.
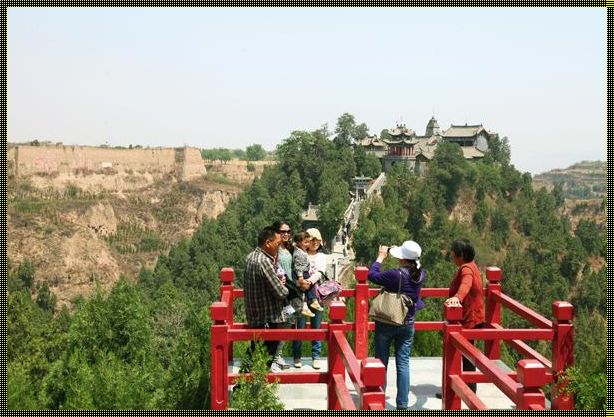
(467, 286)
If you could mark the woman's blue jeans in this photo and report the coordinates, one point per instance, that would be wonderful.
(316, 345)
(403, 337)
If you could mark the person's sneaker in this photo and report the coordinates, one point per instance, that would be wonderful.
(316, 306)
(315, 364)
(307, 312)
(275, 367)
(281, 362)
(297, 363)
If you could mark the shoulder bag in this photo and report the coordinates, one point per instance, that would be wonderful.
(390, 308)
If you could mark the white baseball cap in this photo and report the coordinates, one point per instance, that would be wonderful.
(313, 232)
(409, 250)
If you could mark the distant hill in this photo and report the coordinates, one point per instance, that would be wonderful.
(583, 180)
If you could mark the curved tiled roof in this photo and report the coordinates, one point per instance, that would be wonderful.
(372, 141)
(463, 131)
(402, 131)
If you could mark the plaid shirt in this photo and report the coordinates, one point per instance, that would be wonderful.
(265, 295)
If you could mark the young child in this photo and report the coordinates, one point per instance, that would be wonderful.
(300, 262)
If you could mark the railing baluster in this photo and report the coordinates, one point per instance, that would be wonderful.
(335, 359)
(492, 348)
(532, 375)
(562, 353)
(361, 313)
(451, 358)
(219, 356)
(227, 276)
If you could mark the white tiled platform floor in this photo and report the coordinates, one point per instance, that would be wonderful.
(425, 381)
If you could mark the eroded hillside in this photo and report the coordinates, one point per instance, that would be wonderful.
(78, 237)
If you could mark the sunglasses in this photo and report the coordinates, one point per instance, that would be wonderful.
(284, 231)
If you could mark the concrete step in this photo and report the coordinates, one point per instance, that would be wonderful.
(425, 382)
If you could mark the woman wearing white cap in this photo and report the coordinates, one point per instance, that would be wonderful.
(318, 261)
(411, 277)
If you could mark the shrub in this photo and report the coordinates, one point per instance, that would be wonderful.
(256, 393)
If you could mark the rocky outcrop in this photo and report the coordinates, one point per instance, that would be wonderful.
(212, 204)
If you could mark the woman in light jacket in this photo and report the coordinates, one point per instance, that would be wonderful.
(318, 261)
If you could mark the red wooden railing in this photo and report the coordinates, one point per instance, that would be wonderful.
(532, 372)
(523, 386)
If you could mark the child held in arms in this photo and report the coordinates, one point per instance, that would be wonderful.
(301, 265)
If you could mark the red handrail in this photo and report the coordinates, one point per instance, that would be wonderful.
(532, 373)
(523, 311)
(522, 386)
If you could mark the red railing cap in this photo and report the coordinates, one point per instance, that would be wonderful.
(562, 310)
(361, 272)
(337, 311)
(493, 274)
(453, 314)
(227, 275)
(372, 372)
(531, 373)
(219, 311)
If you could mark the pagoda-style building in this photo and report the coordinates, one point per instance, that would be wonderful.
(415, 152)
(469, 136)
(373, 145)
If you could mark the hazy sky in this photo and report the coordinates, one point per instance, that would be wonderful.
(233, 77)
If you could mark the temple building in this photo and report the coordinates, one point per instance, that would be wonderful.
(415, 152)
(373, 145)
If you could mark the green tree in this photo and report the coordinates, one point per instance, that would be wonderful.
(239, 154)
(256, 393)
(372, 166)
(385, 135)
(499, 150)
(447, 172)
(333, 202)
(344, 130)
(25, 274)
(481, 214)
(255, 153)
(592, 238)
(348, 131)
(45, 298)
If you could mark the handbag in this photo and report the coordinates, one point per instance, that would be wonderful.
(327, 291)
(390, 308)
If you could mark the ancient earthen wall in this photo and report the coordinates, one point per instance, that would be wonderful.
(193, 165)
(68, 160)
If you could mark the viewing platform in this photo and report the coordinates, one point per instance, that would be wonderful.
(425, 374)
(349, 379)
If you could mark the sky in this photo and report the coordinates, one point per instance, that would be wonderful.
(232, 77)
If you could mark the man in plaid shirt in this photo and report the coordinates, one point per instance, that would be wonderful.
(265, 292)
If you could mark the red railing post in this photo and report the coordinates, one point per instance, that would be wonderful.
(335, 360)
(361, 313)
(227, 276)
(451, 358)
(532, 375)
(373, 375)
(562, 354)
(219, 356)
(492, 348)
